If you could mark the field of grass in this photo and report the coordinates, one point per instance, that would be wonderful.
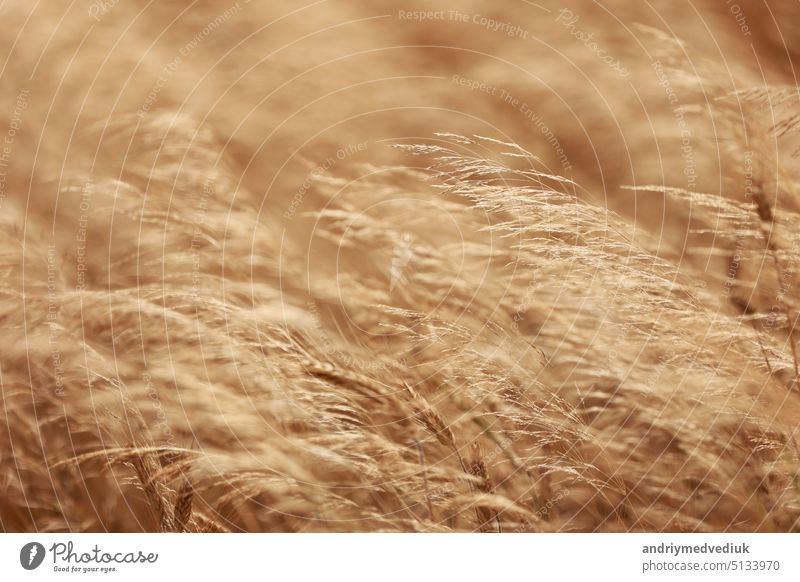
(397, 266)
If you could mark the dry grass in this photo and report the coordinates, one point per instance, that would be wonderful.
(201, 332)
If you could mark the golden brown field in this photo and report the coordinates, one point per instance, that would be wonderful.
(399, 266)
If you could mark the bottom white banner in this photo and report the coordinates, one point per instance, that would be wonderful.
(354, 557)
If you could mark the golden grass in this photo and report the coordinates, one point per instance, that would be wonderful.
(313, 284)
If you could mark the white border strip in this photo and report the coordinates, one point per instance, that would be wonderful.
(382, 557)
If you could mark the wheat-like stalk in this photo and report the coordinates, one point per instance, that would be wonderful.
(557, 299)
